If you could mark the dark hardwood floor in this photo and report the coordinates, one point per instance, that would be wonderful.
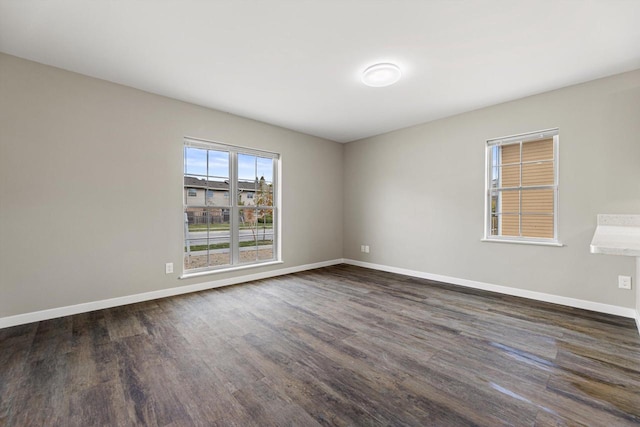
(335, 346)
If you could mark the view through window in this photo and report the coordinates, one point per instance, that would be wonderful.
(222, 231)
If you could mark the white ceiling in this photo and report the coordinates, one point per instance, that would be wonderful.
(297, 63)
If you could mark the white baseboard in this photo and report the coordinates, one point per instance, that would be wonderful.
(53, 313)
(538, 296)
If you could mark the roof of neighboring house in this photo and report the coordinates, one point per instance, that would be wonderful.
(193, 182)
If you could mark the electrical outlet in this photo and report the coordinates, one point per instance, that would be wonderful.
(361, 248)
(168, 268)
(366, 249)
(624, 282)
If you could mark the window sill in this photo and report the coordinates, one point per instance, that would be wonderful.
(523, 242)
(229, 270)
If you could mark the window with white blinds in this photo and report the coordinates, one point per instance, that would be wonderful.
(522, 188)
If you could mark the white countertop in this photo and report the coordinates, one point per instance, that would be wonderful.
(617, 235)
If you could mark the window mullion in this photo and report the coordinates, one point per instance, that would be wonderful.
(235, 211)
(499, 185)
(528, 187)
(520, 196)
(274, 213)
(555, 187)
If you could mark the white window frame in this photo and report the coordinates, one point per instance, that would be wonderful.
(234, 208)
(519, 139)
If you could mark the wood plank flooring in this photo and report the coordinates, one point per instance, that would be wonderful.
(337, 346)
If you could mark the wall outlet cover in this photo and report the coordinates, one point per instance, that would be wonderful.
(624, 282)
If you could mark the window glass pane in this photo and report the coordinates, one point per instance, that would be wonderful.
(207, 237)
(495, 177)
(219, 237)
(539, 173)
(509, 154)
(494, 157)
(537, 201)
(537, 150)
(509, 210)
(510, 224)
(264, 196)
(493, 231)
(264, 234)
(510, 176)
(537, 226)
(246, 167)
(248, 235)
(509, 202)
(217, 192)
(194, 256)
(196, 219)
(195, 161)
(265, 169)
(247, 219)
(195, 190)
(244, 189)
(493, 209)
(219, 164)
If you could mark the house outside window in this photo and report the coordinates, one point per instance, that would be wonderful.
(223, 232)
(192, 192)
(521, 203)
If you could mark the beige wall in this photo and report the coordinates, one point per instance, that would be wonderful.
(416, 196)
(91, 187)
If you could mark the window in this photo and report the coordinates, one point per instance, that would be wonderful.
(522, 188)
(192, 192)
(224, 232)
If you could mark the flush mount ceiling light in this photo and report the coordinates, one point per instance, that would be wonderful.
(381, 75)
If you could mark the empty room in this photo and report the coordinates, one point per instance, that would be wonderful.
(320, 213)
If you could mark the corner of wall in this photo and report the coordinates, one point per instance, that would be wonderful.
(637, 279)
(343, 213)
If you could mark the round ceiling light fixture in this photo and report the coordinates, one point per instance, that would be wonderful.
(381, 75)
